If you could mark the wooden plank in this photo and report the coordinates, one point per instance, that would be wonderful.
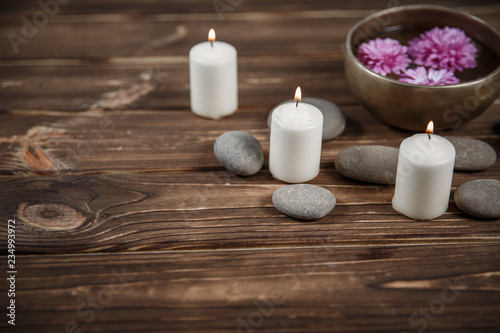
(75, 38)
(173, 141)
(324, 289)
(176, 37)
(156, 84)
(227, 7)
(212, 210)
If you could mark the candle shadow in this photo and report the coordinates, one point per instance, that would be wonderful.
(496, 129)
(352, 126)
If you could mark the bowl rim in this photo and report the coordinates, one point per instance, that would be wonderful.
(350, 51)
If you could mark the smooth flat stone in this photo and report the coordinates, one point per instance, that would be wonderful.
(472, 154)
(333, 118)
(479, 198)
(373, 164)
(304, 201)
(239, 152)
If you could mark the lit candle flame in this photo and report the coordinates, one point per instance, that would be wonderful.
(211, 35)
(298, 95)
(430, 127)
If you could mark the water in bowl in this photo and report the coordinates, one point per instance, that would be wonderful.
(487, 60)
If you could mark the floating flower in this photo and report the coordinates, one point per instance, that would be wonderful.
(433, 77)
(447, 48)
(384, 56)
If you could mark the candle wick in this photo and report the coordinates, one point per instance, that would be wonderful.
(212, 43)
(428, 134)
(297, 105)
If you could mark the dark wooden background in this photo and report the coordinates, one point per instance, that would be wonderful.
(127, 223)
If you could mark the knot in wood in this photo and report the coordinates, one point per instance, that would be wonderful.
(50, 216)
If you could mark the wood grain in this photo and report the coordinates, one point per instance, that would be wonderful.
(217, 210)
(86, 85)
(172, 190)
(320, 34)
(129, 8)
(126, 222)
(322, 289)
(177, 140)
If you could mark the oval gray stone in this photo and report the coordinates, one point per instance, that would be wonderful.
(239, 152)
(333, 118)
(304, 201)
(374, 164)
(480, 198)
(472, 154)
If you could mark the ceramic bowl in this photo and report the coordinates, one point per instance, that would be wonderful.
(412, 106)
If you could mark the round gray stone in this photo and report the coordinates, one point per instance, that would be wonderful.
(239, 152)
(304, 201)
(333, 118)
(480, 198)
(472, 154)
(374, 164)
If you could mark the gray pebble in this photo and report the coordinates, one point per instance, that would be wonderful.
(239, 152)
(374, 164)
(472, 154)
(304, 201)
(333, 118)
(479, 198)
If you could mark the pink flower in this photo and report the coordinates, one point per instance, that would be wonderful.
(447, 48)
(384, 56)
(433, 77)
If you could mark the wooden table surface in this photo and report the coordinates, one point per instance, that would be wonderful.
(125, 221)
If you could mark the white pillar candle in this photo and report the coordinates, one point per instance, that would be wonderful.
(213, 78)
(295, 147)
(424, 176)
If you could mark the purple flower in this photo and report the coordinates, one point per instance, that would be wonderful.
(433, 77)
(447, 48)
(384, 56)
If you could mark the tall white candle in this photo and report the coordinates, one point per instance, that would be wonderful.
(295, 147)
(213, 78)
(424, 176)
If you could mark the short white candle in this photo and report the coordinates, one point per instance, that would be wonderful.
(295, 147)
(424, 176)
(213, 78)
